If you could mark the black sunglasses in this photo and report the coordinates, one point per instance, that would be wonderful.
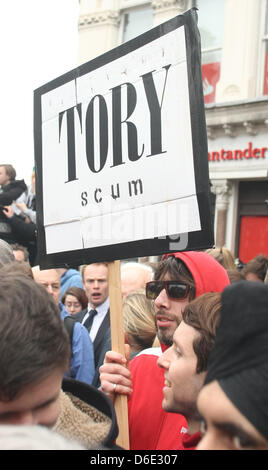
(174, 289)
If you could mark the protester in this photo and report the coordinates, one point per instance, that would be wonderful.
(34, 353)
(235, 275)
(192, 274)
(96, 318)
(27, 204)
(24, 232)
(134, 276)
(234, 400)
(11, 189)
(139, 322)
(16, 266)
(185, 363)
(82, 362)
(87, 416)
(74, 299)
(20, 252)
(223, 256)
(256, 268)
(69, 278)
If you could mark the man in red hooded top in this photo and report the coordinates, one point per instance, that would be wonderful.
(150, 427)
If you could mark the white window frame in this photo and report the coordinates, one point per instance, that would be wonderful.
(205, 50)
(210, 49)
(125, 7)
(125, 4)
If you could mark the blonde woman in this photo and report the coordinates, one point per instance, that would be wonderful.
(223, 256)
(139, 322)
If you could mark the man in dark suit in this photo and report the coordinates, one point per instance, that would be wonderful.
(96, 318)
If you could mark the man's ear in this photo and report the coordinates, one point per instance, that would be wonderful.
(127, 351)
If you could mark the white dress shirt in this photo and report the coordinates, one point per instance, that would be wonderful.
(98, 319)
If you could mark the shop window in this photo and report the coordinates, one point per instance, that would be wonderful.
(211, 24)
(136, 21)
(265, 40)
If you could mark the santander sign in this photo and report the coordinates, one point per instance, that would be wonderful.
(237, 154)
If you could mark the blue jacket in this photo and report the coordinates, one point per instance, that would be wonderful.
(71, 278)
(82, 362)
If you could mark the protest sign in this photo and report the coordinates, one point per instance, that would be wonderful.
(121, 152)
(121, 157)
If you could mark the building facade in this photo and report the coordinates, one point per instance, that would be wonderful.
(234, 40)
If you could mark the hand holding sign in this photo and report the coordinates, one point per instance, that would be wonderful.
(121, 162)
(118, 340)
(115, 372)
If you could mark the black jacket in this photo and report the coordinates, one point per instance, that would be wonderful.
(11, 192)
(8, 194)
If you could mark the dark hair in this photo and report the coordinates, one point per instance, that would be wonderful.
(78, 293)
(17, 247)
(34, 341)
(258, 266)
(235, 275)
(16, 267)
(203, 314)
(10, 171)
(177, 271)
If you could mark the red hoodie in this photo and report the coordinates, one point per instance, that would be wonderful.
(150, 427)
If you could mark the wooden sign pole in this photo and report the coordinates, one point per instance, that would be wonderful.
(118, 345)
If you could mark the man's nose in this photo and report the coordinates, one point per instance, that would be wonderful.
(162, 299)
(164, 360)
(49, 289)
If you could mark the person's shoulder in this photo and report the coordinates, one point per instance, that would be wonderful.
(17, 184)
(144, 368)
(63, 310)
(71, 274)
(145, 358)
(79, 315)
(81, 334)
(150, 352)
(79, 327)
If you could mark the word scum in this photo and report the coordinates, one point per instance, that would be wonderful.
(135, 187)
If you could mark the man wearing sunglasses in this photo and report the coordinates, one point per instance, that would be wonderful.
(179, 278)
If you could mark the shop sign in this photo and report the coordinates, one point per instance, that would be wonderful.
(250, 152)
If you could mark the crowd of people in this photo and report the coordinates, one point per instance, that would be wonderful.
(195, 367)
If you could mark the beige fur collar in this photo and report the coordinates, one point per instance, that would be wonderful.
(82, 422)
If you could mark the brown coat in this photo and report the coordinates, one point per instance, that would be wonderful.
(81, 422)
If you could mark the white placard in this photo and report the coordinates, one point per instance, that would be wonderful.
(108, 197)
(121, 152)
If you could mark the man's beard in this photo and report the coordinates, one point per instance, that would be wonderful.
(165, 335)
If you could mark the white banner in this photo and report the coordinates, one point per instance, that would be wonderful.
(117, 149)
